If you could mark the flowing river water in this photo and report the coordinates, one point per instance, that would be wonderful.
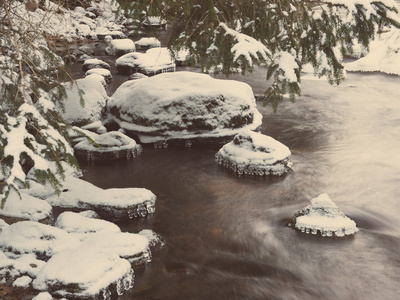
(227, 236)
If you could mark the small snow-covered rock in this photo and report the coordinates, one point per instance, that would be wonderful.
(120, 47)
(82, 227)
(155, 240)
(32, 237)
(154, 21)
(43, 296)
(184, 105)
(147, 43)
(85, 273)
(26, 207)
(324, 216)
(94, 99)
(110, 145)
(26, 264)
(131, 246)
(23, 281)
(110, 204)
(135, 76)
(154, 61)
(95, 63)
(102, 72)
(255, 154)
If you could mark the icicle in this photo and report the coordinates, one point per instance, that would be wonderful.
(131, 212)
(89, 155)
(150, 207)
(141, 210)
(188, 143)
(147, 256)
(314, 231)
(106, 294)
(120, 287)
(165, 144)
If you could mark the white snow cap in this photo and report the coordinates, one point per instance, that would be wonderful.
(82, 272)
(254, 153)
(323, 215)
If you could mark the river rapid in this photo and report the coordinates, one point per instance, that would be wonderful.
(227, 235)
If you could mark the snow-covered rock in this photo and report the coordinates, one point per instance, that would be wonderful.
(23, 281)
(43, 296)
(94, 99)
(184, 105)
(154, 61)
(82, 227)
(102, 72)
(86, 273)
(26, 207)
(147, 43)
(110, 145)
(32, 237)
(154, 21)
(120, 47)
(384, 56)
(95, 63)
(131, 246)
(324, 216)
(135, 76)
(26, 264)
(110, 204)
(155, 240)
(255, 154)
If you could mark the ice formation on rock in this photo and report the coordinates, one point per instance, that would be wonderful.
(154, 61)
(110, 145)
(86, 273)
(253, 153)
(184, 105)
(120, 47)
(32, 237)
(135, 76)
(322, 215)
(26, 207)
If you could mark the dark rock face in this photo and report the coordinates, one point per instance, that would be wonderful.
(184, 106)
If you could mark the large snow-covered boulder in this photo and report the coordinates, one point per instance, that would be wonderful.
(26, 207)
(154, 61)
(94, 101)
(255, 154)
(110, 145)
(324, 216)
(120, 47)
(82, 227)
(184, 105)
(111, 204)
(86, 273)
(32, 237)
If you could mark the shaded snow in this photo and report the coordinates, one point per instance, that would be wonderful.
(26, 207)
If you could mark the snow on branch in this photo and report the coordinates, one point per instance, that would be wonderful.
(247, 46)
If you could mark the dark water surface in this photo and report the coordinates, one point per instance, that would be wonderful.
(226, 236)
